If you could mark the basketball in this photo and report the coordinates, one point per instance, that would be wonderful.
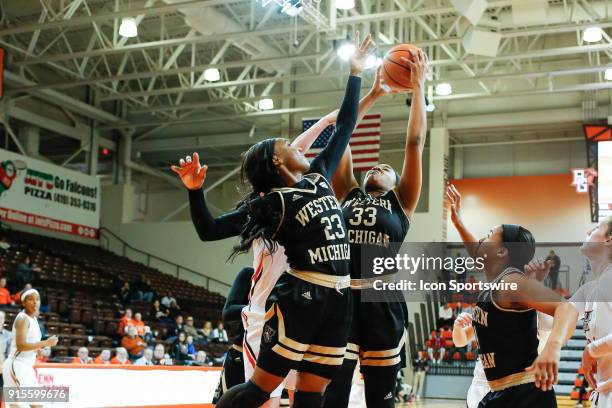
(395, 74)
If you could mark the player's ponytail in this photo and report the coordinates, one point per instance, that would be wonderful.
(258, 170)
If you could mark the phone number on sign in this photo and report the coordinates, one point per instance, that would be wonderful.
(36, 394)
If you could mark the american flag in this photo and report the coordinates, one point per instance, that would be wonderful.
(365, 141)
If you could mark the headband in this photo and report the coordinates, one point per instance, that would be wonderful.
(28, 293)
(511, 232)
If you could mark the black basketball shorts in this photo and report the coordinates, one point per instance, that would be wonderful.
(307, 328)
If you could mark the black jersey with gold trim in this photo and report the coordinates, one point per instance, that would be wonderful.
(507, 339)
(312, 229)
(376, 228)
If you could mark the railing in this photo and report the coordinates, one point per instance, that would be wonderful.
(154, 261)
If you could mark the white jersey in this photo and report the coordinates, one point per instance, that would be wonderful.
(592, 302)
(268, 269)
(480, 386)
(33, 336)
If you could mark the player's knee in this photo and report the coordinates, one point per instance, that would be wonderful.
(304, 399)
(247, 395)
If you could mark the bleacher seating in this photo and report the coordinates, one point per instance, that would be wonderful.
(78, 282)
(571, 377)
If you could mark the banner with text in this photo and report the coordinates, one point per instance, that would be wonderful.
(43, 195)
(93, 385)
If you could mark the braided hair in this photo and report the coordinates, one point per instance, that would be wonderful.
(258, 170)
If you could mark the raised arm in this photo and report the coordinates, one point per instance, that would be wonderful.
(327, 161)
(209, 228)
(307, 137)
(344, 179)
(411, 180)
(454, 199)
(238, 296)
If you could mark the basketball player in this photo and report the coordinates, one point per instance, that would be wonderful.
(463, 333)
(505, 320)
(378, 216)
(237, 298)
(291, 202)
(594, 304)
(18, 368)
(269, 267)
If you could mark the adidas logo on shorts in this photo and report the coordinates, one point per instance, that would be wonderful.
(306, 295)
(389, 396)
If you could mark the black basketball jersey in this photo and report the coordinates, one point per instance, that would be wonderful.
(376, 228)
(312, 228)
(507, 339)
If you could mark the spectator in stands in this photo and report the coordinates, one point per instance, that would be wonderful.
(419, 367)
(5, 339)
(104, 357)
(166, 300)
(206, 332)
(191, 350)
(26, 271)
(133, 343)
(175, 329)
(125, 321)
(82, 357)
(121, 357)
(180, 348)
(160, 357)
(125, 293)
(445, 316)
(555, 263)
(219, 335)
(2, 269)
(44, 355)
(437, 345)
(190, 329)
(5, 295)
(148, 336)
(158, 312)
(4, 244)
(174, 310)
(142, 289)
(201, 358)
(139, 324)
(146, 359)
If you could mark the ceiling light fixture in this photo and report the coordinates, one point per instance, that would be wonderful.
(592, 34)
(128, 27)
(266, 104)
(444, 89)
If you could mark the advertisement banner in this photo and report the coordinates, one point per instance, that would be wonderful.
(43, 195)
(130, 386)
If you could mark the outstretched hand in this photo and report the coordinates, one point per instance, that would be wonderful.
(419, 66)
(454, 198)
(190, 171)
(537, 269)
(358, 59)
